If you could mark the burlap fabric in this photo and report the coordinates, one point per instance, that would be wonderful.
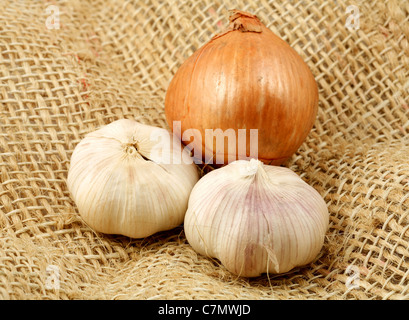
(112, 60)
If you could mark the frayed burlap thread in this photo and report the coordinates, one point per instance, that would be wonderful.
(111, 61)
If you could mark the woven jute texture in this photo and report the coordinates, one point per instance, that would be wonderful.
(112, 60)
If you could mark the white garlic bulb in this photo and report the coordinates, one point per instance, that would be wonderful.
(256, 218)
(131, 179)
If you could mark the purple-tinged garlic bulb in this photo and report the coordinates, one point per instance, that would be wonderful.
(256, 218)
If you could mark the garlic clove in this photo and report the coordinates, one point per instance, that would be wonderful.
(256, 218)
(123, 183)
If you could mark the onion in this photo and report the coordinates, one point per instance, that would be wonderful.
(245, 78)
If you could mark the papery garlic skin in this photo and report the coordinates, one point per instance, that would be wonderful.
(121, 183)
(256, 218)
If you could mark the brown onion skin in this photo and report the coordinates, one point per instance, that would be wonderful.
(245, 79)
